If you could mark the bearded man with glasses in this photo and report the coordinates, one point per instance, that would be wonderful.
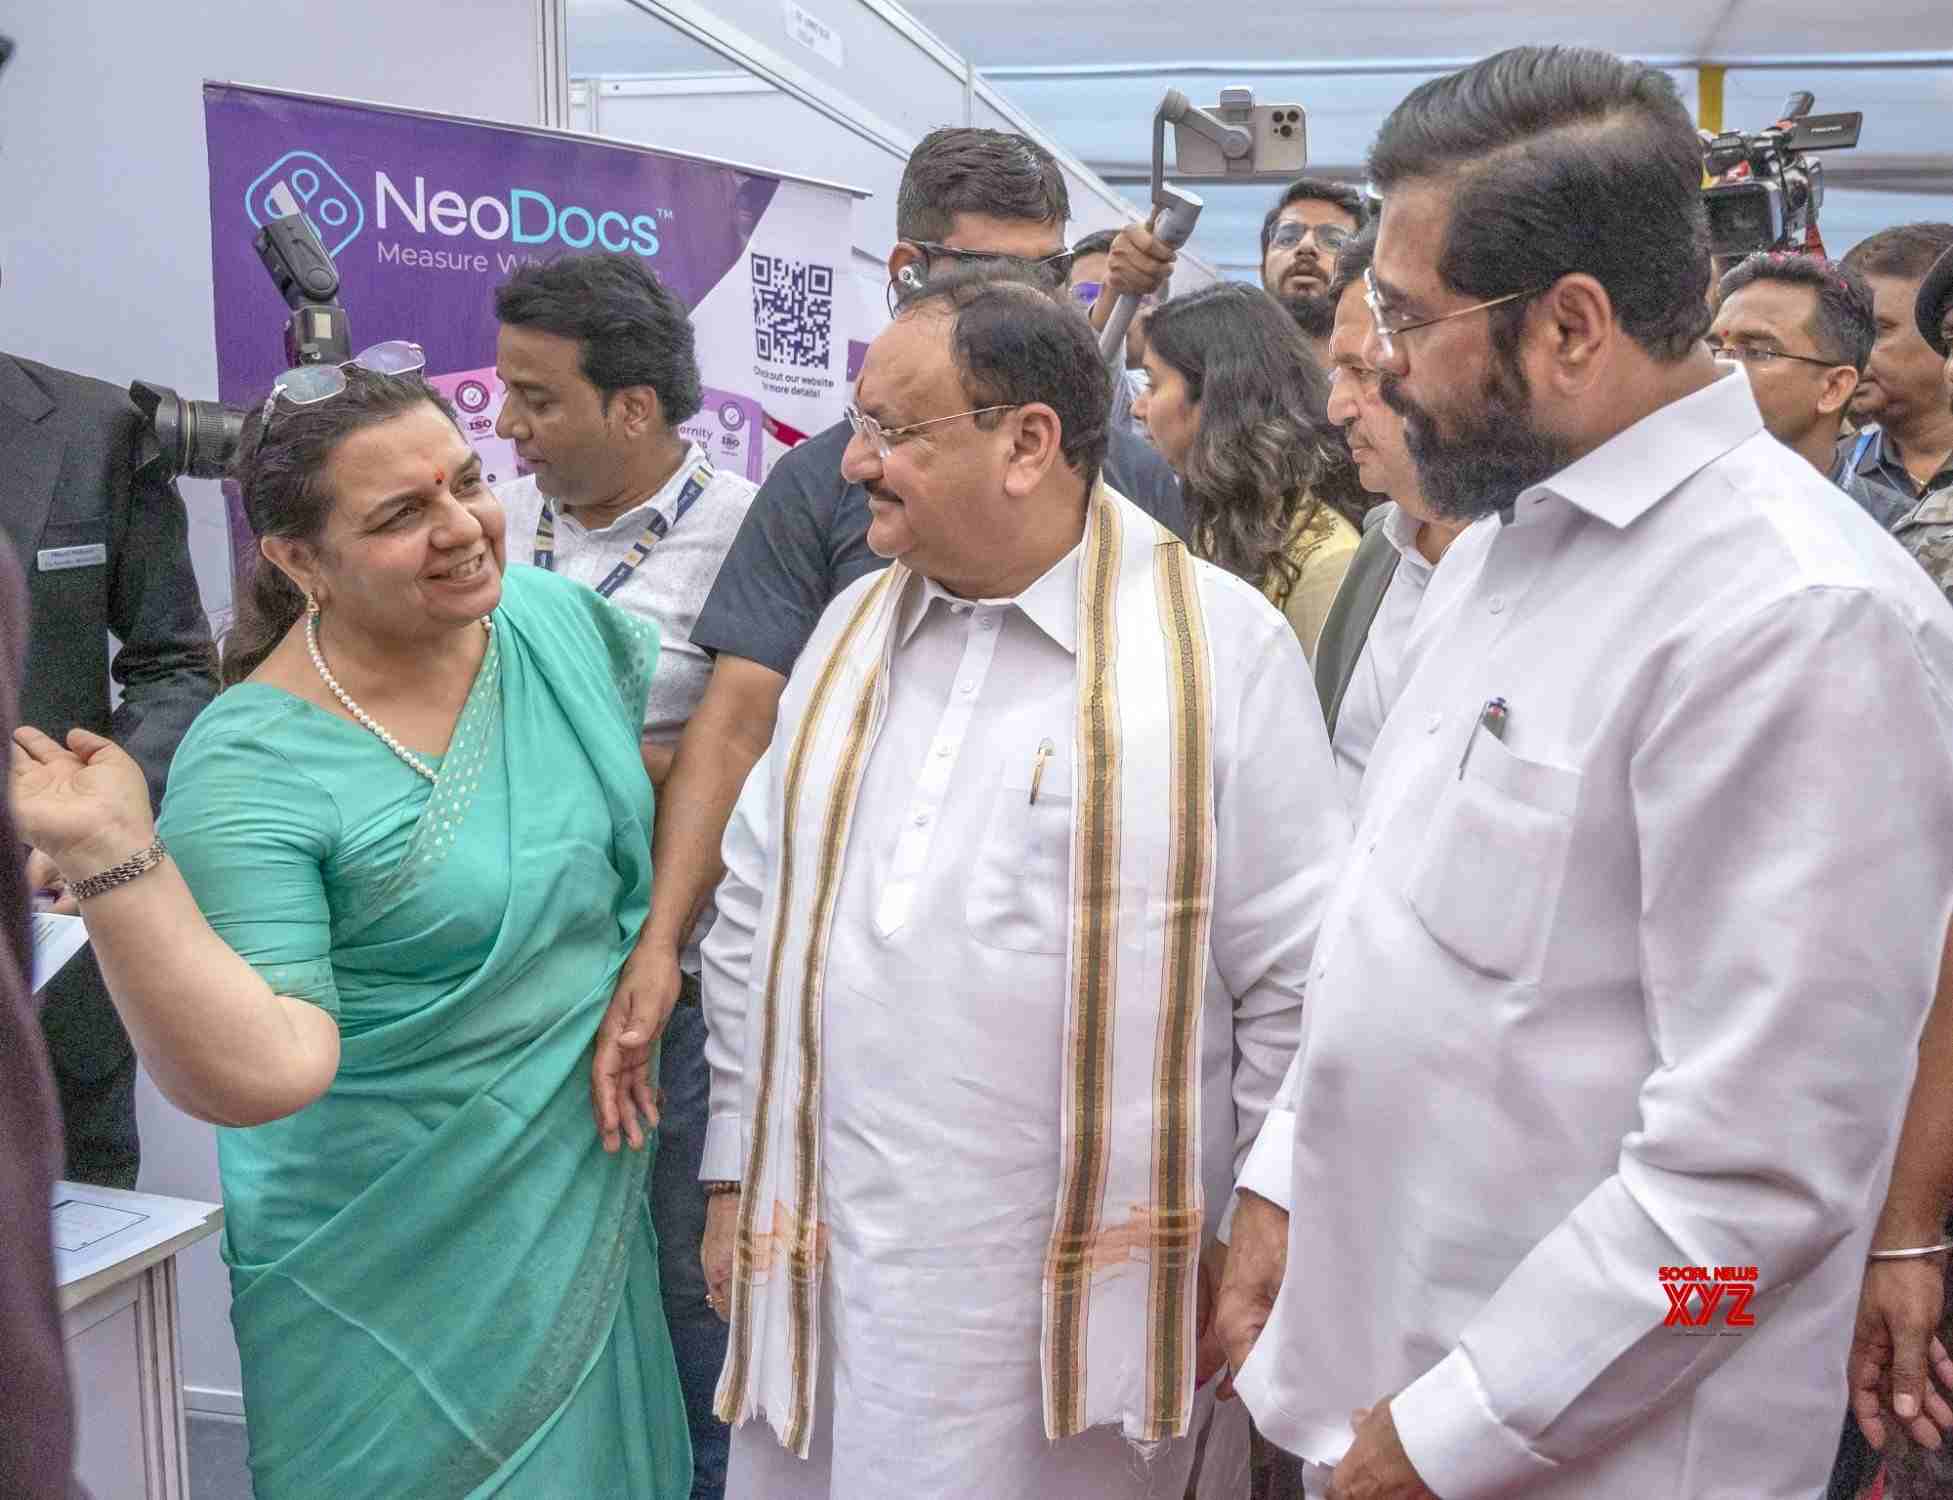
(1598, 1014)
(1802, 327)
(1309, 223)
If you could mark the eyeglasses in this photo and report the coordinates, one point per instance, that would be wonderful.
(1750, 354)
(882, 439)
(1329, 237)
(307, 385)
(1087, 292)
(1388, 332)
(1055, 267)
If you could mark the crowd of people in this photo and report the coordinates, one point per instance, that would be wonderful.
(1305, 917)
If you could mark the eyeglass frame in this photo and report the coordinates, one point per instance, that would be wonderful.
(1061, 274)
(278, 386)
(877, 436)
(1387, 336)
(1745, 355)
(1307, 232)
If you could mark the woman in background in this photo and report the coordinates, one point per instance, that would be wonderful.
(1235, 405)
(444, 1284)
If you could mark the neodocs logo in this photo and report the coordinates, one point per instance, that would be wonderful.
(305, 182)
(524, 217)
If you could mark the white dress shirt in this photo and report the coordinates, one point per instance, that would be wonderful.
(1639, 986)
(943, 1020)
(1378, 675)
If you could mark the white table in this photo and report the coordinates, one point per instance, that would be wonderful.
(119, 1323)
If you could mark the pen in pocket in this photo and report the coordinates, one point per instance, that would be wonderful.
(1045, 751)
(1491, 719)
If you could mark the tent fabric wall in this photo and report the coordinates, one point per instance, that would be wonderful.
(107, 271)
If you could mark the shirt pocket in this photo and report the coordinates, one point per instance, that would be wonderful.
(1019, 897)
(1488, 878)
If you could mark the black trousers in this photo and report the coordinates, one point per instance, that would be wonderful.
(94, 1076)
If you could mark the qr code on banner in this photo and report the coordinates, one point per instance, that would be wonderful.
(793, 311)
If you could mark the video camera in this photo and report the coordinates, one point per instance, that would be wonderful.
(1768, 186)
(201, 438)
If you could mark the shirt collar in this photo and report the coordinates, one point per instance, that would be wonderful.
(1626, 476)
(1051, 603)
(1876, 463)
(1400, 529)
(664, 501)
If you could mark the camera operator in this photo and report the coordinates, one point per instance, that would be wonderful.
(1910, 449)
(1803, 329)
(1309, 223)
(105, 547)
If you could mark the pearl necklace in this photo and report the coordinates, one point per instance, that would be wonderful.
(346, 698)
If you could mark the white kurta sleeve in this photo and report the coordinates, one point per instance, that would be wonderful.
(726, 960)
(1792, 807)
(1269, 1171)
(1281, 835)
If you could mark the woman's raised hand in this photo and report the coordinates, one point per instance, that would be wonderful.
(84, 805)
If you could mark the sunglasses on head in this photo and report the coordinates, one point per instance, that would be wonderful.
(307, 385)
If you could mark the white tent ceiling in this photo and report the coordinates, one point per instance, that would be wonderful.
(1090, 72)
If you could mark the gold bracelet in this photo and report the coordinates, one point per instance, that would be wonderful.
(139, 863)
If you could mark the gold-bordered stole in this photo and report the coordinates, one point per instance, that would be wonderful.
(733, 1383)
(1094, 973)
(1190, 895)
(803, 1259)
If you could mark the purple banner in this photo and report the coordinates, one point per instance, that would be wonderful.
(425, 217)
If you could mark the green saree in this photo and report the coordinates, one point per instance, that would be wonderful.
(442, 1286)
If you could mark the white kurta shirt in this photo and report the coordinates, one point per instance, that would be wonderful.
(1640, 988)
(1378, 675)
(944, 1017)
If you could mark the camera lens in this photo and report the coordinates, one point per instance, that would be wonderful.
(198, 438)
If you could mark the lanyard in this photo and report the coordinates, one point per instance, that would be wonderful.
(654, 532)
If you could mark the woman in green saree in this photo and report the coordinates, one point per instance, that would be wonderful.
(417, 829)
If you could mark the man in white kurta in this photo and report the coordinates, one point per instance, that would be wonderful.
(1624, 981)
(942, 1046)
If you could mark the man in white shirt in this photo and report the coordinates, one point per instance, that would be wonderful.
(1009, 955)
(1363, 656)
(600, 371)
(1605, 1051)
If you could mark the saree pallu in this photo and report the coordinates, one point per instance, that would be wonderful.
(428, 1263)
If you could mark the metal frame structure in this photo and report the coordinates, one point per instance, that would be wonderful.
(698, 22)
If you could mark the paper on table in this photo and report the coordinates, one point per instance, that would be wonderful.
(56, 940)
(97, 1227)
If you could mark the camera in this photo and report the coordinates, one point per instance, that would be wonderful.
(201, 438)
(1769, 186)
